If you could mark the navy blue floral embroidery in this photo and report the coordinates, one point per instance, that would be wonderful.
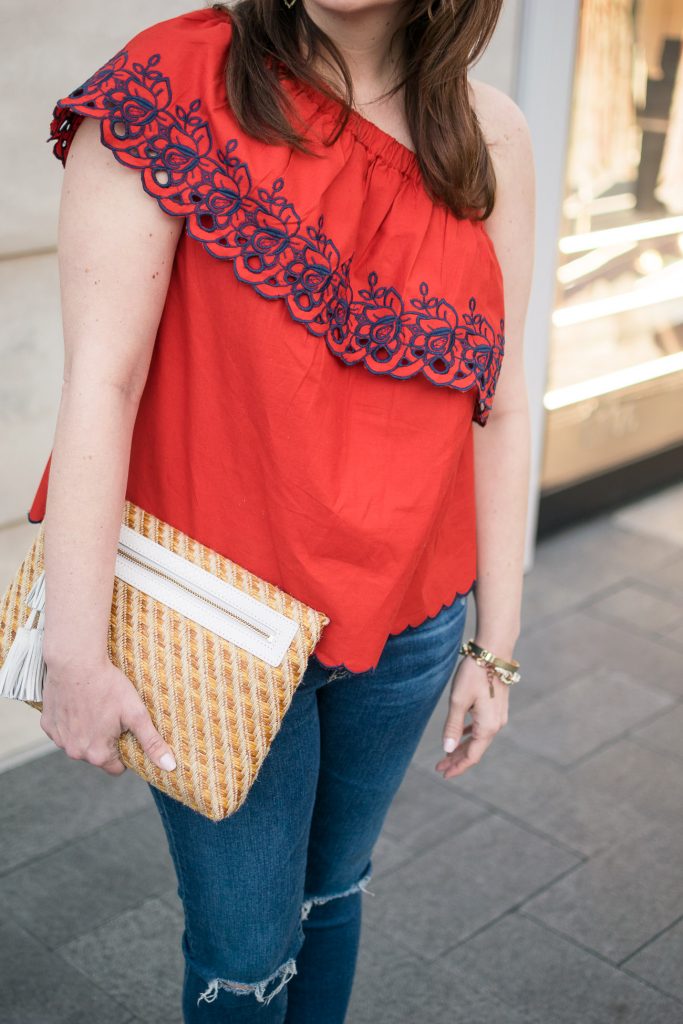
(260, 231)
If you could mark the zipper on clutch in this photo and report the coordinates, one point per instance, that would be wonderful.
(126, 553)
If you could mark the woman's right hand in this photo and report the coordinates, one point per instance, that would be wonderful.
(86, 708)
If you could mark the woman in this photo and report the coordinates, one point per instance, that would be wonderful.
(210, 377)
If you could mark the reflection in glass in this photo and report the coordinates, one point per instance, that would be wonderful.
(617, 326)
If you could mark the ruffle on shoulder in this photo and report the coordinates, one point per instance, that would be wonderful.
(154, 118)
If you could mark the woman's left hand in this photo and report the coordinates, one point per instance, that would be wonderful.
(470, 692)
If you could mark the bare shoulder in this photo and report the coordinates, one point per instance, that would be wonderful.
(504, 125)
(502, 120)
(508, 138)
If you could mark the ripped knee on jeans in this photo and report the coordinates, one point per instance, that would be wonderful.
(287, 970)
(282, 975)
(360, 885)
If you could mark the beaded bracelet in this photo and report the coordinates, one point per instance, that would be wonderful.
(507, 671)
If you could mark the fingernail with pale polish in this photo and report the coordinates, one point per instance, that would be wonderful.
(167, 762)
(449, 745)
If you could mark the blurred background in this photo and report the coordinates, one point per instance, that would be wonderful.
(585, 788)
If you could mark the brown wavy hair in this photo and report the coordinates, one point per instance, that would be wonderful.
(440, 39)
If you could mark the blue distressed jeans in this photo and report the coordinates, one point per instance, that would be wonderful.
(272, 894)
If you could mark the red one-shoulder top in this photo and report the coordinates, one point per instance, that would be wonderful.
(329, 337)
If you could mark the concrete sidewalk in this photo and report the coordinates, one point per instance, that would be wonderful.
(545, 886)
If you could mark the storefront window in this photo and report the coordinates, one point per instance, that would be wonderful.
(615, 383)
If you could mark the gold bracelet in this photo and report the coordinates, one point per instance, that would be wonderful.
(507, 671)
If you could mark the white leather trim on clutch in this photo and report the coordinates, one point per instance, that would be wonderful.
(199, 595)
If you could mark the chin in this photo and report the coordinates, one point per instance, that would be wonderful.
(349, 7)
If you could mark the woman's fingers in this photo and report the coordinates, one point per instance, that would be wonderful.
(467, 755)
(115, 767)
(447, 759)
(105, 758)
(138, 720)
(474, 738)
(455, 721)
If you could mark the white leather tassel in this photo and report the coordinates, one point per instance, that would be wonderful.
(36, 595)
(23, 672)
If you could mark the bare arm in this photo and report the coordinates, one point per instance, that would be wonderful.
(116, 251)
(502, 446)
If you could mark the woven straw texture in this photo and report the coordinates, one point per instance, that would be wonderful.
(218, 706)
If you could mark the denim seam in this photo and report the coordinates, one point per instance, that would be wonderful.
(175, 850)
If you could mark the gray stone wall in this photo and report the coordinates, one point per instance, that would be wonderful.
(47, 49)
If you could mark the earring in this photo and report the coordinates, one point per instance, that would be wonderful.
(290, 5)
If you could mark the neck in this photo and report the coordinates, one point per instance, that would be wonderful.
(363, 38)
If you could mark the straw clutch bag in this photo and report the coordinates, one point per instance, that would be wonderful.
(214, 651)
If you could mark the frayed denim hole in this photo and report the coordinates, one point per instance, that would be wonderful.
(284, 973)
(359, 886)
